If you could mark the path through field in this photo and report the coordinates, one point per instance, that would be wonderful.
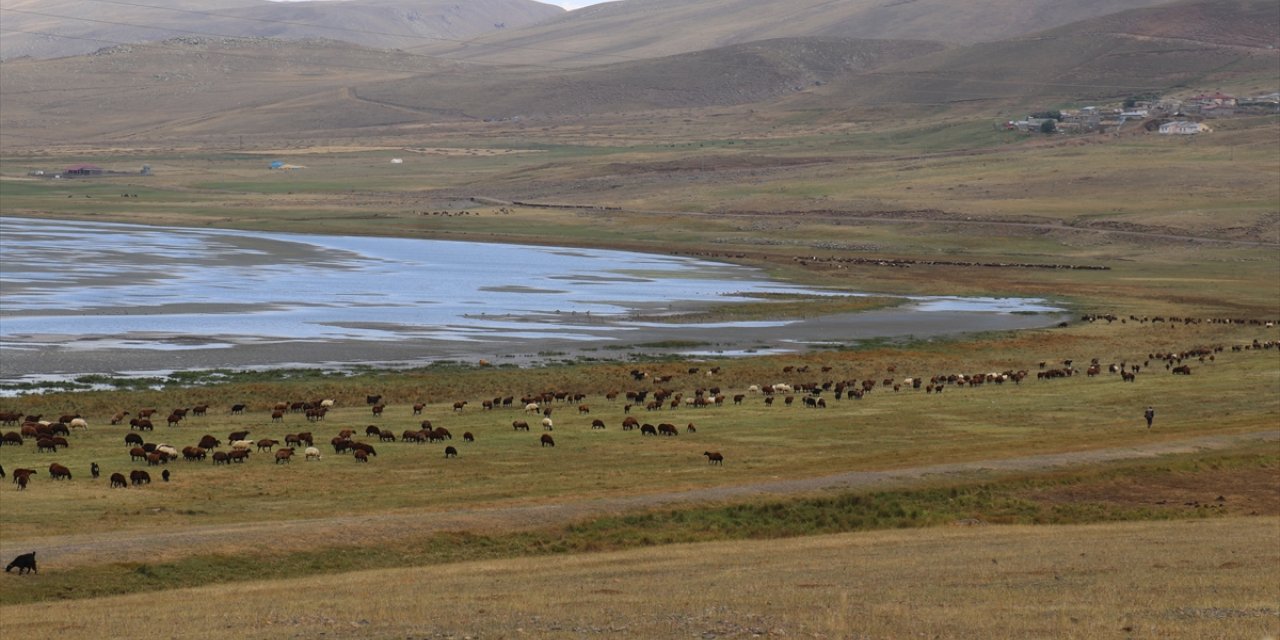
(288, 535)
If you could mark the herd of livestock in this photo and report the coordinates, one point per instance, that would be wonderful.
(50, 436)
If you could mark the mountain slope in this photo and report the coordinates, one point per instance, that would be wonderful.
(631, 29)
(1157, 49)
(83, 26)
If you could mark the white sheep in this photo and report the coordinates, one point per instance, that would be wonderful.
(242, 444)
(327, 403)
(78, 423)
(532, 407)
(312, 453)
(168, 450)
(547, 424)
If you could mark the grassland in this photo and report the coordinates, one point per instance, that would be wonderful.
(612, 533)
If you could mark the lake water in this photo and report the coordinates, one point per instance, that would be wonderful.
(85, 297)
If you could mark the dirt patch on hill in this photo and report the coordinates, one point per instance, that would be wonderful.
(1234, 491)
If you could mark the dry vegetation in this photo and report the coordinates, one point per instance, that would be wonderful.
(1044, 509)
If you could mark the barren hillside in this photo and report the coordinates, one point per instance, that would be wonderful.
(54, 28)
(631, 29)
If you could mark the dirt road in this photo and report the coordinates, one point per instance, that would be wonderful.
(281, 536)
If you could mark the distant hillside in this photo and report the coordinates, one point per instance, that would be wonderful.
(88, 25)
(208, 85)
(1161, 49)
(630, 29)
(740, 74)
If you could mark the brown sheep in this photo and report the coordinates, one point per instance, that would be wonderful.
(284, 455)
(361, 456)
(450, 452)
(118, 481)
(547, 440)
(713, 457)
(59, 472)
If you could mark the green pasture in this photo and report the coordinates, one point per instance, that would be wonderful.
(1232, 394)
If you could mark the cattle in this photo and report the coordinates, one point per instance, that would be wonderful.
(59, 472)
(713, 457)
(284, 455)
(547, 440)
(467, 437)
(450, 452)
(139, 477)
(25, 563)
(118, 481)
(520, 425)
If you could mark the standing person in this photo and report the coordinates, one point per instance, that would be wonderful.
(1149, 414)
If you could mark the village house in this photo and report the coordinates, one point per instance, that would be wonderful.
(82, 170)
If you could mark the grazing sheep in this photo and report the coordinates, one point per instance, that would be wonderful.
(284, 455)
(547, 424)
(78, 423)
(547, 440)
(312, 453)
(139, 477)
(520, 425)
(26, 563)
(450, 452)
(467, 437)
(118, 481)
(59, 472)
(361, 456)
(713, 457)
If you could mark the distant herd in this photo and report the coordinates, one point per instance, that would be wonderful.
(52, 435)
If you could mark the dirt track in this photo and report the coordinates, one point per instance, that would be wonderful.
(281, 536)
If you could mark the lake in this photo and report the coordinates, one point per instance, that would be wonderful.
(87, 297)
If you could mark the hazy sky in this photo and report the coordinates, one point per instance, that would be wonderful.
(573, 4)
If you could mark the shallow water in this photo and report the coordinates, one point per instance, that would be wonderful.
(73, 293)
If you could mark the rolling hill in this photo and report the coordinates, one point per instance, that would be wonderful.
(632, 29)
(83, 26)
(1161, 49)
(215, 87)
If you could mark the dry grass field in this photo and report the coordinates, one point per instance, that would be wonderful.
(1131, 580)
(1040, 509)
